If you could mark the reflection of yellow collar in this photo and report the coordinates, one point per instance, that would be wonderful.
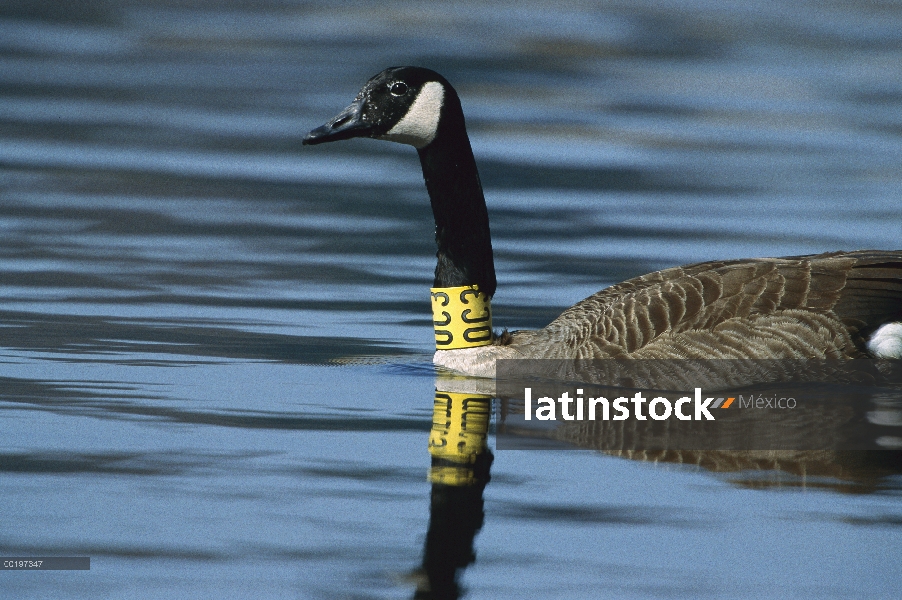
(462, 317)
(460, 431)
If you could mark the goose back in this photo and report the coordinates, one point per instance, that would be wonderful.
(820, 306)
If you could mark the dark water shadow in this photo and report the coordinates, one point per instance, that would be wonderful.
(595, 515)
(71, 336)
(122, 401)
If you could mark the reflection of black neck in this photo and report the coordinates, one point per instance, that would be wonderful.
(461, 218)
(455, 517)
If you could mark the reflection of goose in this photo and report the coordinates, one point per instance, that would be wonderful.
(837, 305)
(862, 471)
(843, 437)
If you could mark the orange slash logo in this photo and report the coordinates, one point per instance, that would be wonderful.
(723, 402)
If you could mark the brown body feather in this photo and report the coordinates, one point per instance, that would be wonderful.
(820, 306)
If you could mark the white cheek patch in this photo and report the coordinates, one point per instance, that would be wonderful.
(887, 341)
(420, 124)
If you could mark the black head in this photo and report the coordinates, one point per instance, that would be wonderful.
(400, 104)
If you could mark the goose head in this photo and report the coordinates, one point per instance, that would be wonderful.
(418, 107)
(400, 104)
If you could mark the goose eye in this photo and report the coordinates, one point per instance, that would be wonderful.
(398, 89)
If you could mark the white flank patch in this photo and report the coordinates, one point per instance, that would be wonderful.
(420, 124)
(887, 341)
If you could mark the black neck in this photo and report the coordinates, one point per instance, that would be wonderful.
(461, 218)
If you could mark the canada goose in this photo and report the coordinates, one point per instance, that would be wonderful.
(836, 305)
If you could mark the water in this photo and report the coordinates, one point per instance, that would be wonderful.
(216, 376)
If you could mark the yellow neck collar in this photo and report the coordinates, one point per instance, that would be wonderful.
(462, 317)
